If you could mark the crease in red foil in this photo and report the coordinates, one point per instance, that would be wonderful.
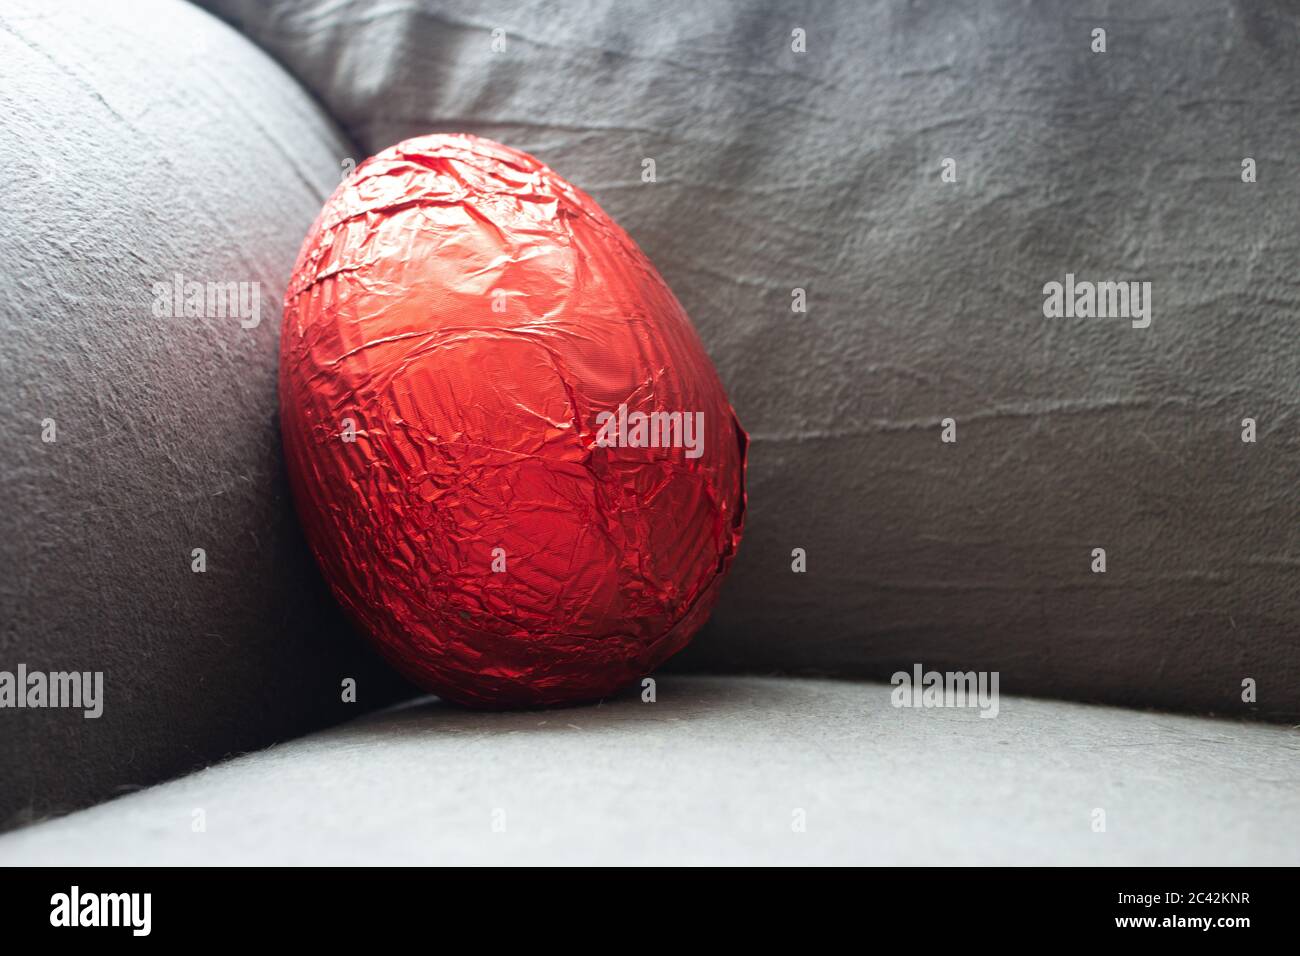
(458, 320)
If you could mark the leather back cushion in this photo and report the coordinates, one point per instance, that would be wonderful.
(822, 171)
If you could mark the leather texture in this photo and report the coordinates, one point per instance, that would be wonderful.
(822, 171)
(139, 141)
(145, 140)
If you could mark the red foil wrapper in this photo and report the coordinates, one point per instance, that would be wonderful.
(511, 455)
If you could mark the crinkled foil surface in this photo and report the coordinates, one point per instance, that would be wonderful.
(458, 320)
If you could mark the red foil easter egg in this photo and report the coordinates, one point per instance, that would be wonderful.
(513, 459)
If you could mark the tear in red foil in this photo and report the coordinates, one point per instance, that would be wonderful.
(479, 375)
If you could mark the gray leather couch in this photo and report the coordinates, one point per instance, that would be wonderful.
(1145, 713)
